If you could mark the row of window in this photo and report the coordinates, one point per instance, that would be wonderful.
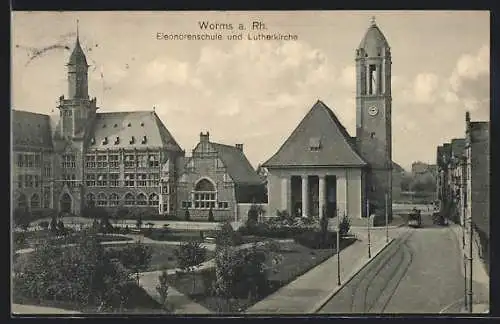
(28, 181)
(130, 161)
(205, 204)
(68, 161)
(22, 201)
(28, 160)
(128, 200)
(129, 180)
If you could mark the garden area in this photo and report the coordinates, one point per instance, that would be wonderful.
(242, 277)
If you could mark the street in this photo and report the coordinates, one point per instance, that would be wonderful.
(418, 273)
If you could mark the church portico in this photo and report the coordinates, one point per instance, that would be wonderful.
(337, 191)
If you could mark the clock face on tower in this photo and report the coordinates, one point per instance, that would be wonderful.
(373, 110)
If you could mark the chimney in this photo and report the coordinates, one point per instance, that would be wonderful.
(204, 138)
(239, 147)
(467, 117)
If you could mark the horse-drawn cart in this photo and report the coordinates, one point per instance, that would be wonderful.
(415, 218)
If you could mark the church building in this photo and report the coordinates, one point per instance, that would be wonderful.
(320, 167)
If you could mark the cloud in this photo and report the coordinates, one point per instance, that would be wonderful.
(425, 87)
(348, 76)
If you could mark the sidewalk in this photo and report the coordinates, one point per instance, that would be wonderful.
(308, 292)
(18, 309)
(481, 280)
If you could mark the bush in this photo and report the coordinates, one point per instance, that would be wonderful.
(187, 216)
(345, 225)
(44, 225)
(210, 215)
(227, 236)
(317, 240)
(162, 289)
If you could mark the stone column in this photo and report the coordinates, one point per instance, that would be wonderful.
(284, 193)
(321, 194)
(341, 195)
(305, 190)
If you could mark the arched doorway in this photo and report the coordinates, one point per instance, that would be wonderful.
(66, 203)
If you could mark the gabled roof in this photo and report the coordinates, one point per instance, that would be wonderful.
(237, 165)
(336, 147)
(31, 130)
(397, 168)
(126, 125)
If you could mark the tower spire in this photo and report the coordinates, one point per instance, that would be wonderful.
(372, 21)
(77, 30)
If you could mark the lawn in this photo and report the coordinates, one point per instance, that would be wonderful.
(31, 238)
(163, 256)
(296, 260)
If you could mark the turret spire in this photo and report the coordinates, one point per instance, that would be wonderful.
(372, 21)
(77, 31)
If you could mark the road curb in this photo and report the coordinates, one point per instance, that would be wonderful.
(325, 300)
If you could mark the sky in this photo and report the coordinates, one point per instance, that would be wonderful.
(256, 92)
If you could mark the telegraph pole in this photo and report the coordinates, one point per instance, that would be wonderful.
(469, 293)
(386, 218)
(368, 219)
(338, 249)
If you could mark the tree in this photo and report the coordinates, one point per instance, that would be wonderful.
(186, 215)
(136, 257)
(226, 236)
(44, 225)
(138, 223)
(345, 225)
(22, 218)
(53, 224)
(323, 226)
(162, 289)
(210, 215)
(254, 213)
(83, 274)
(190, 254)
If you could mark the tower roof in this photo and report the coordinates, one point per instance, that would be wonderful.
(374, 40)
(77, 56)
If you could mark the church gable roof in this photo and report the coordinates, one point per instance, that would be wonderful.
(31, 130)
(135, 129)
(319, 140)
(237, 165)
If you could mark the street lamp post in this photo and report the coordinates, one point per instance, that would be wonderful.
(386, 218)
(368, 225)
(338, 249)
(469, 293)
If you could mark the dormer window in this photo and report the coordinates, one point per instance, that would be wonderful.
(315, 143)
(129, 124)
(142, 124)
(132, 140)
(143, 140)
(115, 125)
(105, 141)
(92, 141)
(372, 135)
(104, 126)
(117, 140)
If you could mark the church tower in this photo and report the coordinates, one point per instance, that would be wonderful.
(77, 109)
(373, 115)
